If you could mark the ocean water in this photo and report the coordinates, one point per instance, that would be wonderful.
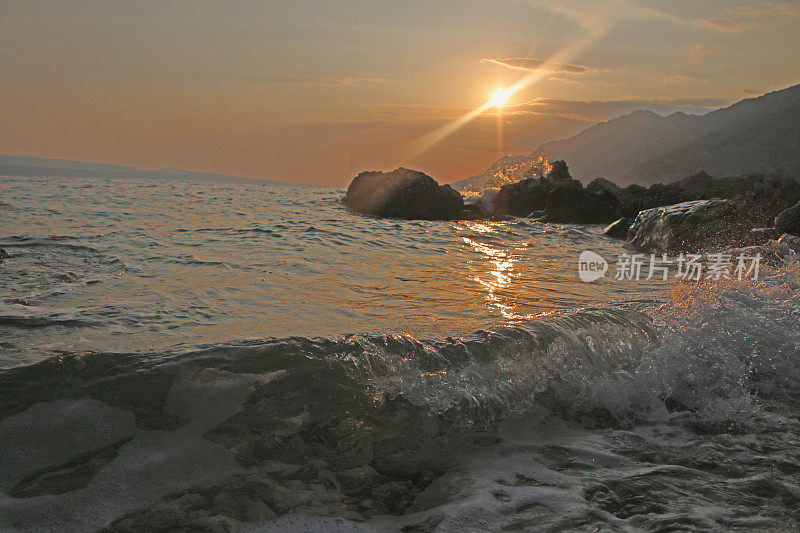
(251, 356)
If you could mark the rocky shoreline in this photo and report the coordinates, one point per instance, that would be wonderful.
(695, 213)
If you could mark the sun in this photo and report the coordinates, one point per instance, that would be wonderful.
(499, 98)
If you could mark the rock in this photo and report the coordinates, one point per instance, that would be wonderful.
(635, 199)
(557, 198)
(772, 253)
(559, 172)
(568, 205)
(396, 496)
(698, 183)
(601, 184)
(3, 254)
(360, 480)
(765, 232)
(258, 512)
(788, 220)
(635, 190)
(790, 241)
(687, 226)
(485, 205)
(618, 229)
(404, 193)
(72, 475)
(701, 186)
(522, 198)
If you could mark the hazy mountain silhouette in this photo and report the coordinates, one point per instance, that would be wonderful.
(756, 135)
(25, 165)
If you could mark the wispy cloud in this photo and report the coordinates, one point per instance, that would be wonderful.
(343, 81)
(683, 78)
(530, 63)
(600, 17)
(698, 52)
(741, 18)
(331, 81)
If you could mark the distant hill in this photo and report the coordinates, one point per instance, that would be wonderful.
(25, 165)
(756, 135)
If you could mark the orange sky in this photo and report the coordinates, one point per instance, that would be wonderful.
(316, 91)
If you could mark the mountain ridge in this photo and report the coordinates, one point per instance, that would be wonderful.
(753, 135)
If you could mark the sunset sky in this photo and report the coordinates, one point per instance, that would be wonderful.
(316, 91)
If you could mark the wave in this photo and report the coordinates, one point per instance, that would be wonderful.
(709, 353)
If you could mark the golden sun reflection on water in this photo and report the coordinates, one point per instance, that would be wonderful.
(497, 272)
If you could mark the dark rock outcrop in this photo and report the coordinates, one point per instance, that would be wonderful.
(755, 201)
(558, 198)
(3, 255)
(635, 198)
(559, 172)
(568, 205)
(523, 197)
(788, 221)
(601, 184)
(404, 193)
(684, 227)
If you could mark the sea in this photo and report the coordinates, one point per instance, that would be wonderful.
(251, 356)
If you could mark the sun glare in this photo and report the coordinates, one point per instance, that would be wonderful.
(500, 97)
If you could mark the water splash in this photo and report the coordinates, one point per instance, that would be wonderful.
(509, 169)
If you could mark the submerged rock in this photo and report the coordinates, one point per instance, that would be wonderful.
(72, 475)
(404, 193)
(687, 226)
(3, 254)
(788, 221)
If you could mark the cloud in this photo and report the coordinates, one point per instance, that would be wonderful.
(344, 81)
(564, 78)
(530, 63)
(698, 52)
(741, 18)
(333, 81)
(683, 78)
(600, 17)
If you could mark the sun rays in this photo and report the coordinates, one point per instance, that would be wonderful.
(500, 99)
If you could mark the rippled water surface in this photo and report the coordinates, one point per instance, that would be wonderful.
(252, 357)
(117, 265)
